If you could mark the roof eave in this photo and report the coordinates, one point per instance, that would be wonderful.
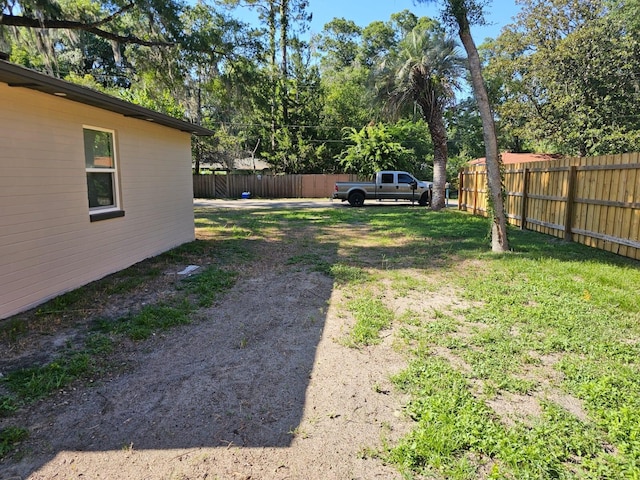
(18, 76)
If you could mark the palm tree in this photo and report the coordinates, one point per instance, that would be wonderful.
(425, 71)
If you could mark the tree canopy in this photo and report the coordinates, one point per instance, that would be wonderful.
(561, 79)
(568, 77)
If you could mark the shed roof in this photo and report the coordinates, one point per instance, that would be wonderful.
(18, 76)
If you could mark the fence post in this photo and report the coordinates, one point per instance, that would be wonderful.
(475, 192)
(525, 194)
(568, 211)
(460, 188)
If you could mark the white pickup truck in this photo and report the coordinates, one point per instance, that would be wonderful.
(388, 185)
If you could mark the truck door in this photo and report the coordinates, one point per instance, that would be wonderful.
(387, 186)
(405, 183)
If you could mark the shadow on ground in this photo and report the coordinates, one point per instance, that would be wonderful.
(236, 376)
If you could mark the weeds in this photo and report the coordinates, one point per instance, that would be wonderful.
(33, 383)
(371, 316)
(315, 260)
(537, 303)
(148, 320)
(10, 437)
(208, 284)
(346, 274)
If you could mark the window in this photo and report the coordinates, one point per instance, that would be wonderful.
(404, 178)
(102, 181)
(387, 178)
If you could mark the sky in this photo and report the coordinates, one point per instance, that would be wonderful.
(498, 13)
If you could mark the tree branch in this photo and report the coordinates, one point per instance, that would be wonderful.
(112, 16)
(29, 22)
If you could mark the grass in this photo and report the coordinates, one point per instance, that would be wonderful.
(10, 437)
(209, 284)
(150, 319)
(33, 383)
(549, 321)
(551, 317)
(371, 316)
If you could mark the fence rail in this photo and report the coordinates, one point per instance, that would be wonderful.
(594, 201)
(267, 186)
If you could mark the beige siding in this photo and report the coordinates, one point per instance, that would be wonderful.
(47, 243)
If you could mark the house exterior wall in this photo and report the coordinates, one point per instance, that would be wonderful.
(48, 245)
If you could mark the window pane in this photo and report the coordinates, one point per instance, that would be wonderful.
(387, 178)
(100, 187)
(98, 149)
(404, 178)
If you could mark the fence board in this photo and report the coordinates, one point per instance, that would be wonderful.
(634, 230)
(593, 218)
(597, 204)
(613, 178)
(583, 191)
(560, 187)
(628, 196)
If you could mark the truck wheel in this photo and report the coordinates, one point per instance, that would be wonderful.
(424, 199)
(356, 199)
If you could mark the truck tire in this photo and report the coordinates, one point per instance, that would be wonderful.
(356, 199)
(424, 199)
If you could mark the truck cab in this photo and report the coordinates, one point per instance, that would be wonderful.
(396, 185)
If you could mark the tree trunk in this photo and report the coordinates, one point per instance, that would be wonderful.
(439, 138)
(284, 41)
(198, 122)
(271, 20)
(499, 241)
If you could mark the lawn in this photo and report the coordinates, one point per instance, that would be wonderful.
(526, 367)
(531, 373)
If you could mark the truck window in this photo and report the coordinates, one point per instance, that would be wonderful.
(386, 178)
(404, 178)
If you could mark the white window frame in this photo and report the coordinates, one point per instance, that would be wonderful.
(116, 207)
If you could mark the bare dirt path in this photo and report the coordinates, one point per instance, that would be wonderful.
(261, 387)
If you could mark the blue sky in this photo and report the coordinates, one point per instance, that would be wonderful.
(498, 14)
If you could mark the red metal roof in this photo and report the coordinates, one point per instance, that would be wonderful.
(509, 158)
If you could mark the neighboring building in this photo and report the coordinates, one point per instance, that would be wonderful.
(239, 165)
(89, 185)
(509, 158)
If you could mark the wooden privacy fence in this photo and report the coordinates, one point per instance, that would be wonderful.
(594, 201)
(267, 186)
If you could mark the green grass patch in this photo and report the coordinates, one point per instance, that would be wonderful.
(457, 436)
(551, 315)
(33, 383)
(150, 319)
(347, 274)
(8, 406)
(10, 437)
(315, 260)
(209, 284)
(371, 316)
(13, 329)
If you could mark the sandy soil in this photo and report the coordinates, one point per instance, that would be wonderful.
(261, 387)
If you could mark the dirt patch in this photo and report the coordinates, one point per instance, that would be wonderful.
(259, 386)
